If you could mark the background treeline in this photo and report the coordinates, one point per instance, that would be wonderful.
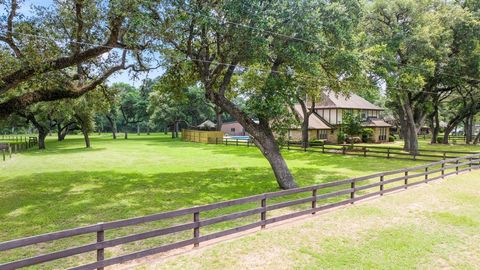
(249, 60)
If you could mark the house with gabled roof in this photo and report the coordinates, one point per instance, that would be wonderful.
(326, 121)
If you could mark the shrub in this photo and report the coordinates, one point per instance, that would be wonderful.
(317, 142)
(439, 140)
(367, 134)
(341, 137)
(354, 140)
(391, 138)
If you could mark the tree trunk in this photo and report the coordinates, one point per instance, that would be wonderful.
(469, 129)
(62, 132)
(477, 138)
(447, 132)
(305, 132)
(403, 129)
(59, 133)
(305, 119)
(113, 126)
(42, 134)
(452, 124)
(262, 136)
(86, 137)
(411, 132)
(176, 129)
(435, 124)
(138, 128)
(42, 130)
(126, 133)
(218, 116)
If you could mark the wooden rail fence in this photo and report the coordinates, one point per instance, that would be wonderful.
(371, 151)
(314, 199)
(16, 145)
(378, 151)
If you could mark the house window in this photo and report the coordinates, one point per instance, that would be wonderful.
(322, 134)
(232, 130)
(364, 115)
(383, 134)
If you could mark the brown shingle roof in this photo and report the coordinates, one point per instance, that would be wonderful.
(331, 99)
(373, 122)
(315, 121)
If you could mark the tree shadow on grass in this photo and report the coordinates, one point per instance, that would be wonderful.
(48, 202)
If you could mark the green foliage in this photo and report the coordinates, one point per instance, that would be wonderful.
(391, 138)
(367, 134)
(341, 137)
(352, 123)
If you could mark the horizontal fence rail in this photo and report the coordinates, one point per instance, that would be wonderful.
(15, 144)
(377, 151)
(310, 200)
(370, 151)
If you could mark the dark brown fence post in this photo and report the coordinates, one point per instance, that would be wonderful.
(388, 152)
(364, 151)
(314, 202)
(288, 145)
(443, 169)
(100, 251)
(444, 155)
(248, 143)
(323, 148)
(3, 151)
(263, 214)
(406, 179)
(381, 185)
(196, 229)
(426, 174)
(237, 143)
(352, 194)
(470, 164)
(344, 149)
(456, 167)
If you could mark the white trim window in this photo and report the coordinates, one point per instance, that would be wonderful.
(383, 134)
(322, 134)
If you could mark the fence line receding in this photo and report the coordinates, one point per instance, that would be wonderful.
(310, 200)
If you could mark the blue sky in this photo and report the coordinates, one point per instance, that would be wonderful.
(27, 7)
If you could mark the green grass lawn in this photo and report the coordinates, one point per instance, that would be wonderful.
(68, 186)
(434, 226)
(425, 145)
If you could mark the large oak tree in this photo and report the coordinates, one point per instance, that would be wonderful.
(220, 38)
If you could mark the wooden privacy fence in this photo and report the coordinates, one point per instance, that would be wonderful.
(308, 200)
(201, 136)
